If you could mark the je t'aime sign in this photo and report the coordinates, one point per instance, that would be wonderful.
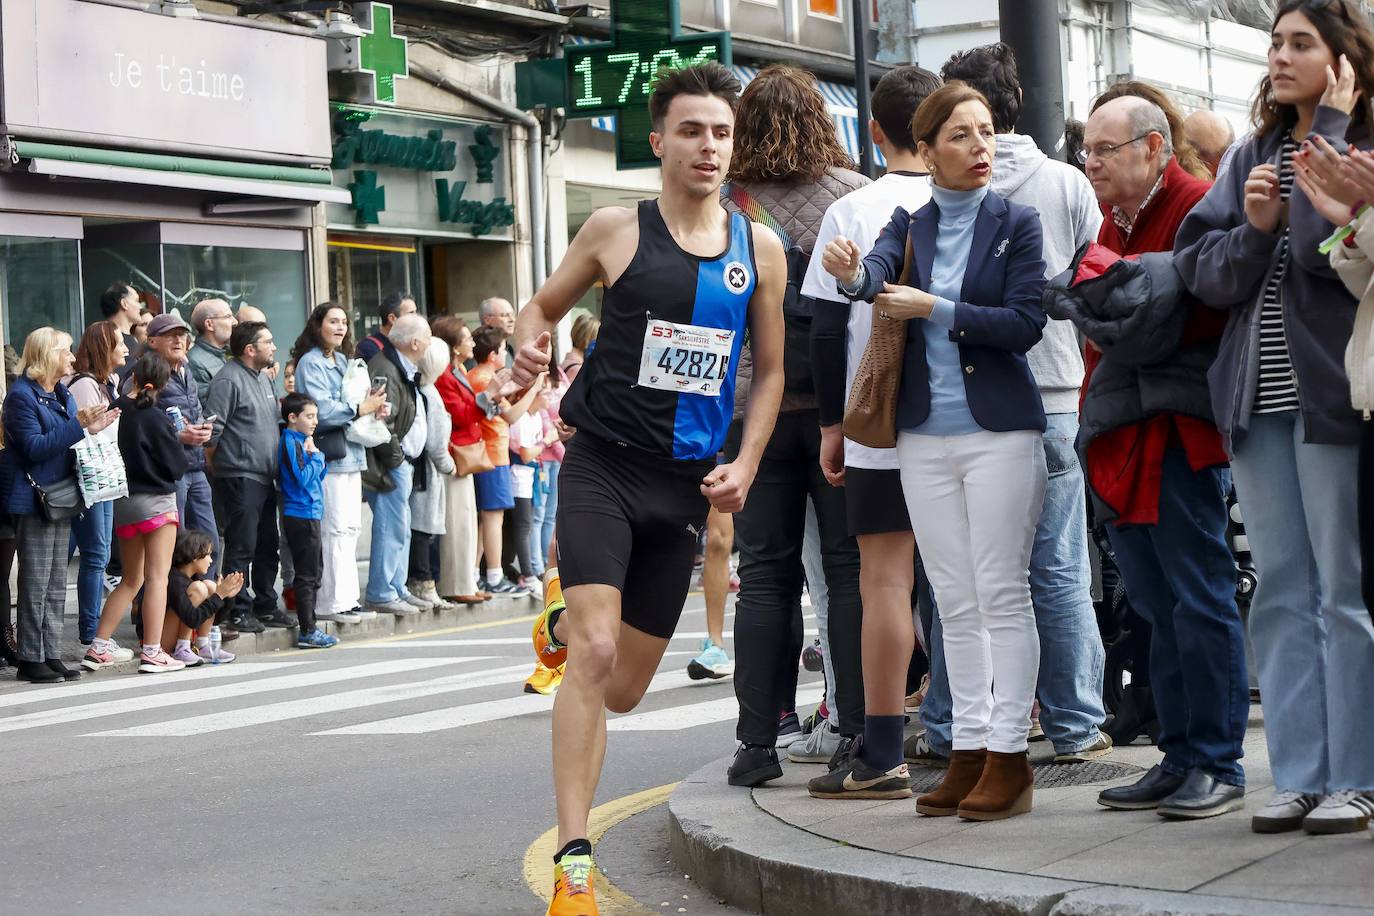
(123, 77)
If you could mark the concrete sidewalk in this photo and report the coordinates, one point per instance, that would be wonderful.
(775, 849)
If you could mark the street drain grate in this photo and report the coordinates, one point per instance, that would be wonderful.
(1047, 775)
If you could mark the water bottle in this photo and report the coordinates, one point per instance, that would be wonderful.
(215, 641)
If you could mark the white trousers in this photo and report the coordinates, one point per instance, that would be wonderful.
(343, 522)
(974, 501)
(458, 546)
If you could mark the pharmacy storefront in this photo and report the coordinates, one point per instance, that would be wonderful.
(182, 155)
(429, 210)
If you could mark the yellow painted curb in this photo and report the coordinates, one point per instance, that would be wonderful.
(610, 899)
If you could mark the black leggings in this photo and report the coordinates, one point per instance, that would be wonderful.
(1365, 486)
(523, 522)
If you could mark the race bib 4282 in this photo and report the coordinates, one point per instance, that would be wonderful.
(685, 358)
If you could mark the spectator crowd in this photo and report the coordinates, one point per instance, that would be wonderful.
(1000, 353)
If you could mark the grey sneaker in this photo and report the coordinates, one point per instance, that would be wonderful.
(1284, 812)
(363, 613)
(918, 750)
(417, 602)
(399, 608)
(1099, 748)
(818, 747)
(1342, 812)
(344, 617)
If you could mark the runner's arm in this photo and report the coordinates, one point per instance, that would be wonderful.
(579, 269)
(765, 344)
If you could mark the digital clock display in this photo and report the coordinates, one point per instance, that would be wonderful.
(618, 77)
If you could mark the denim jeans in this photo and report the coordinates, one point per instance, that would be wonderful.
(1313, 638)
(91, 534)
(1072, 658)
(545, 511)
(390, 562)
(196, 507)
(1181, 577)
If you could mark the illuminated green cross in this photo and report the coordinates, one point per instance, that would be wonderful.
(369, 200)
(382, 53)
(616, 77)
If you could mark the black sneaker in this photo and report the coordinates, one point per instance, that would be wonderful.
(68, 674)
(37, 673)
(248, 625)
(754, 765)
(789, 730)
(849, 746)
(277, 619)
(856, 779)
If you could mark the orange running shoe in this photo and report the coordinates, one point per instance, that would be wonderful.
(572, 888)
(544, 680)
(549, 652)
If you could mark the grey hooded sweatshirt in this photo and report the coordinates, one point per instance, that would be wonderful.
(1070, 216)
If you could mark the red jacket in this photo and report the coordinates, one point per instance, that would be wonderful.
(1124, 464)
(461, 403)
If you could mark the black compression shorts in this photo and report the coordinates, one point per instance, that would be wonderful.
(630, 520)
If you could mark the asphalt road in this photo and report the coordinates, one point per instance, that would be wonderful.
(404, 776)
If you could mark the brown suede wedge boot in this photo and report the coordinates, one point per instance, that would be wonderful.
(965, 770)
(1004, 791)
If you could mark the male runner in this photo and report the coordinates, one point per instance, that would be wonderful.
(683, 282)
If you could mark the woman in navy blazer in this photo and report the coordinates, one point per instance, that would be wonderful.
(42, 424)
(970, 421)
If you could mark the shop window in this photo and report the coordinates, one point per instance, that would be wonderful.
(272, 280)
(40, 284)
(362, 272)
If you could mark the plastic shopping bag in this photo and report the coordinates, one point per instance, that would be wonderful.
(368, 431)
(100, 470)
(356, 383)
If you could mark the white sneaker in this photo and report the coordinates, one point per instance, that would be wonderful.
(344, 617)
(399, 608)
(818, 747)
(416, 601)
(112, 583)
(1284, 812)
(363, 613)
(1342, 812)
(120, 654)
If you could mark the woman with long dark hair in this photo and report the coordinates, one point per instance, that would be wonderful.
(788, 167)
(1281, 397)
(322, 355)
(146, 521)
(101, 352)
(42, 423)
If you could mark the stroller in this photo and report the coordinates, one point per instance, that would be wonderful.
(1126, 635)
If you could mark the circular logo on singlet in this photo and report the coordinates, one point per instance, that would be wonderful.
(736, 277)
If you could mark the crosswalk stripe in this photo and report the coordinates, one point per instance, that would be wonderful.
(676, 718)
(120, 683)
(227, 691)
(420, 642)
(322, 705)
(476, 713)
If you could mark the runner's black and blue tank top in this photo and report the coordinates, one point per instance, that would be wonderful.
(662, 376)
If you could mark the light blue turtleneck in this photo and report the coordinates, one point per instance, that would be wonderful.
(949, 412)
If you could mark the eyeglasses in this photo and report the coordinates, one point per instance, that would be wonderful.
(1107, 150)
(227, 316)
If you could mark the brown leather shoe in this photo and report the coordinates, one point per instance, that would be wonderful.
(1004, 791)
(965, 770)
(467, 599)
(228, 632)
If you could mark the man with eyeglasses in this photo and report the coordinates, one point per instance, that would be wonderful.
(1159, 478)
(214, 323)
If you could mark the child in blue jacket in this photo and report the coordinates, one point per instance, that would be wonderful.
(301, 470)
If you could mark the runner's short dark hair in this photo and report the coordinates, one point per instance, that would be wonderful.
(486, 341)
(703, 79)
(895, 100)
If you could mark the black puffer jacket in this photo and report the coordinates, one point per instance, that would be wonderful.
(1134, 311)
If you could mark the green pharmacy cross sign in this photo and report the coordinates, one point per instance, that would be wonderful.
(382, 53)
(616, 77)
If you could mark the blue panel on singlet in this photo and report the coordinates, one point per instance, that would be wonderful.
(724, 287)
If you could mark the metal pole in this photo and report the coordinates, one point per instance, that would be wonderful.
(861, 89)
(1031, 28)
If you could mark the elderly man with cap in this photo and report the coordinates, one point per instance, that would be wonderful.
(169, 337)
(213, 323)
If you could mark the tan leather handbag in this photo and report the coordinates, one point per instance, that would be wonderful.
(471, 458)
(870, 416)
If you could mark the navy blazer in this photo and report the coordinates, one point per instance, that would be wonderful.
(40, 430)
(997, 320)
